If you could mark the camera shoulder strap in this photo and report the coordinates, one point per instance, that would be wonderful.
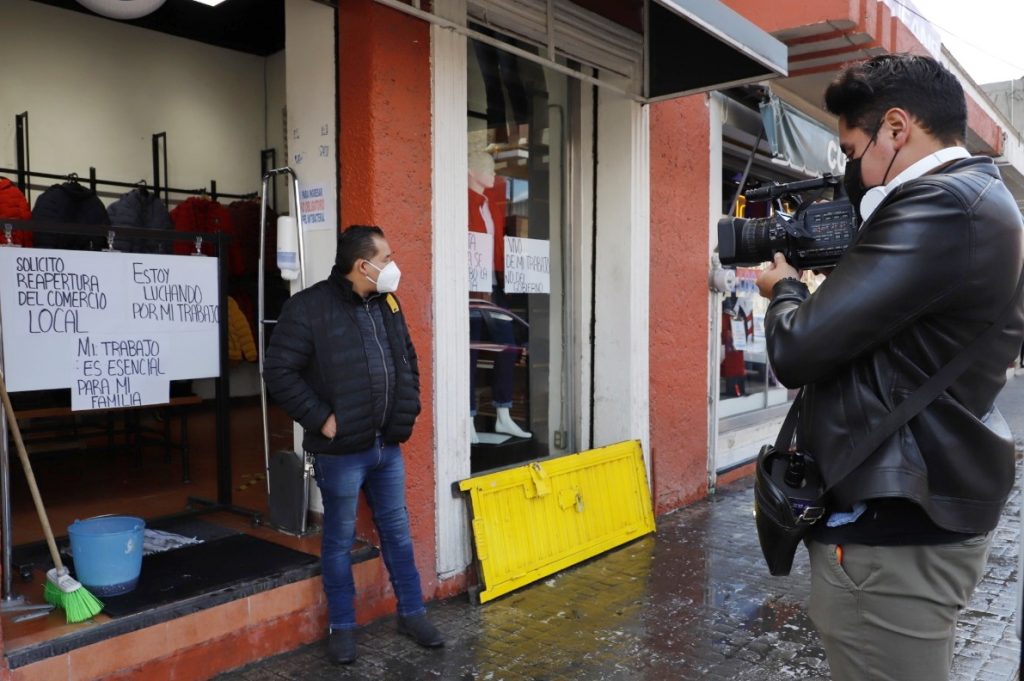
(910, 407)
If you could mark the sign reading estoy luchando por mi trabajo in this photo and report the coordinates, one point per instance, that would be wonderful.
(115, 328)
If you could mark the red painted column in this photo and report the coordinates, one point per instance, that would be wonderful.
(385, 157)
(680, 167)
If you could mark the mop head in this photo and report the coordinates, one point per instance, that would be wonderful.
(65, 592)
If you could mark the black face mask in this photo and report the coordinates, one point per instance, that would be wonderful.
(853, 184)
(853, 181)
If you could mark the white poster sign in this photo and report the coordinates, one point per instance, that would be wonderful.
(119, 371)
(51, 299)
(481, 262)
(527, 265)
(317, 206)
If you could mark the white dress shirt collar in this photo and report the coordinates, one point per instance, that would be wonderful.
(874, 196)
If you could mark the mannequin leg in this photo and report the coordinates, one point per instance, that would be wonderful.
(504, 379)
(505, 424)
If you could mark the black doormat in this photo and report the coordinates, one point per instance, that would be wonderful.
(204, 568)
(36, 555)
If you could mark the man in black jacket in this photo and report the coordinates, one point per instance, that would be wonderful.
(936, 260)
(342, 364)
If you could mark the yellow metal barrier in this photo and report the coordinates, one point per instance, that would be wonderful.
(534, 520)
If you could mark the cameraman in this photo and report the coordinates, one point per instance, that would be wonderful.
(937, 258)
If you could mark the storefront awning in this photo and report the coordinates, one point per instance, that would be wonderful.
(688, 46)
(798, 140)
(792, 143)
(699, 45)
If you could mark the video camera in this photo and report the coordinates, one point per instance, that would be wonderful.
(813, 237)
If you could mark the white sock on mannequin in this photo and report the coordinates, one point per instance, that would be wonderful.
(505, 424)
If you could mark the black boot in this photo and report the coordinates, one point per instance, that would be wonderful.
(419, 629)
(341, 646)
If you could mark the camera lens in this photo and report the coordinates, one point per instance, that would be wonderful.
(743, 241)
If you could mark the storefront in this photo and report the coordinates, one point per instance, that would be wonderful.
(551, 194)
(178, 112)
(554, 96)
(512, 142)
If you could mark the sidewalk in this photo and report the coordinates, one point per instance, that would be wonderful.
(692, 602)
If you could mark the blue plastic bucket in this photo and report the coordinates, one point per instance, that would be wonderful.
(107, 551)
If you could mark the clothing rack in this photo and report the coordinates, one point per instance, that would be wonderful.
(24, 170)
(94, 181)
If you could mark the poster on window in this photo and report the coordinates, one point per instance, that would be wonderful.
(481, 262)
(527, 265)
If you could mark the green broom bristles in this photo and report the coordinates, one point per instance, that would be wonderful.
(68, 594)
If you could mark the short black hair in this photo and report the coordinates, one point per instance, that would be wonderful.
(924, 88)
(357, 242)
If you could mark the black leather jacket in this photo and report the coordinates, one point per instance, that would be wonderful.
(932, 267)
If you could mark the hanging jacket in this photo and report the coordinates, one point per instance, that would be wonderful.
(14, 206)
(199, 214)
(240, 341)
(140, 209)
(245, 219)
(70, 203)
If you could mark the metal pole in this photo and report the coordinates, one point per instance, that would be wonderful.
(5, 500)
(261, 330)
(155, 149)
(21, 124)
(261, 311)
(298, 226)
(223, 389)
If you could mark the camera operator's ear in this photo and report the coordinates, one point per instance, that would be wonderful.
(898, 121)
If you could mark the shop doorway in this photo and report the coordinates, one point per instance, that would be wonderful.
(191, 112)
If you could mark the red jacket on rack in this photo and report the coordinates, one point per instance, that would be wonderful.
(14, 206)
(245, 220)
(198, 214)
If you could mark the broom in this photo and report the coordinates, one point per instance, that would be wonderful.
(61, 589)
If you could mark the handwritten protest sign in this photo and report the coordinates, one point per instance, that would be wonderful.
(527, 265)
(481, 262)
(65, 313)
(114, 371)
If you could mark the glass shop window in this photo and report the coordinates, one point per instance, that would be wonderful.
(516, 142)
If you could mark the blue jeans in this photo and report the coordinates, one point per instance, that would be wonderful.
(380, 471)
(495, 330)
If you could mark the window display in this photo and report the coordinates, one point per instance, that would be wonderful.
(514, 227)
(746, 380)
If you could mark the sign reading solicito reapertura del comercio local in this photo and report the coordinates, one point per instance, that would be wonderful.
(115, 328)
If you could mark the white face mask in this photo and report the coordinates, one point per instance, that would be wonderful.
(387, 280)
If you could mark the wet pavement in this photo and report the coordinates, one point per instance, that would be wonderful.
(693, 601)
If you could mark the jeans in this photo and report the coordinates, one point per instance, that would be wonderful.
(380, 472)
(495, 330)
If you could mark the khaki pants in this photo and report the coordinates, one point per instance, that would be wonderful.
(888, 613)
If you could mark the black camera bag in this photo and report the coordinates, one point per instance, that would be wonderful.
(779, 529)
